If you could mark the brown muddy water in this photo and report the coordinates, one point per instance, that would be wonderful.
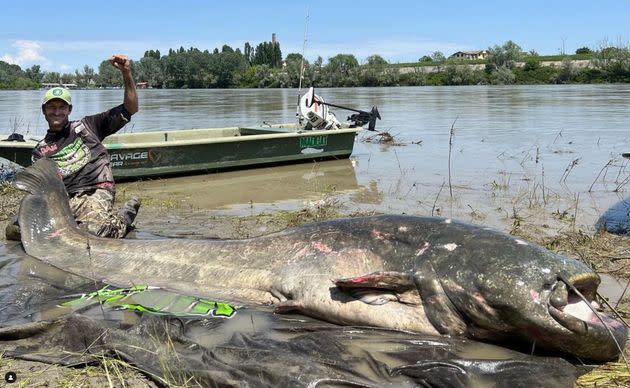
(547, 156)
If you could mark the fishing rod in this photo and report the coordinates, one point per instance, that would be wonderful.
(297, 112)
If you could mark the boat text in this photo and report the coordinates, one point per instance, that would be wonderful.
(313, 141)
(121, 159)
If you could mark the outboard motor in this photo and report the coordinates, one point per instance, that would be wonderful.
(313, 112)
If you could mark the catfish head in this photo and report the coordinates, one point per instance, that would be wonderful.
(493, 286)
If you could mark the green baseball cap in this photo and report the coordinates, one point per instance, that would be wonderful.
(57, 93)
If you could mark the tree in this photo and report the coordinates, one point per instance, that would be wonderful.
(150, 69)
(502, 76)
(583, 50)
(248, 53)
(293, 70)
(614, 62)
(341, 70)
(12, 77)
(51, 77)
(438, 59)
(532, 63)
(457, 74)
(503, 56)
(153, 54)
(108, 75)
(372, 73)
(425, 59)
(34, 73)
(567, 72)
(268, 53)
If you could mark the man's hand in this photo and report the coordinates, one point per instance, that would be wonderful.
(121, 62)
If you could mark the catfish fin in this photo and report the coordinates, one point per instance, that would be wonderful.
(40, 177)
(438, 307)
(386, 280)
(44, 210)
(373, 296)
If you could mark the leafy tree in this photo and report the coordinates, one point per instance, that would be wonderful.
(51, 77)
(457, 74)
(503, 76)
(532, 63)
(152, 54)
(438, 60)
(150, 69)
(503, 56)
(583, 50)
(372, 73)
(268, 53)
(292, 70)
(425, 59)
(85, 79)
(567, 72)
(614, 62)
(225, 66)
(68, 78)
(12, 77)
(248, 52)
(341, 70)
(108, 75)
(34, 73)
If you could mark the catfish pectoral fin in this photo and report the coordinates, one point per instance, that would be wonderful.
(372, 296)
(439, 309)
(388, 280)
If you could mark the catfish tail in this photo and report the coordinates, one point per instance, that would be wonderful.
(44, 210)
(41, 176)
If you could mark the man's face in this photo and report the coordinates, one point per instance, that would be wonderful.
(56, 113)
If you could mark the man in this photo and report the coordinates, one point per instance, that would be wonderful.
(82, 159)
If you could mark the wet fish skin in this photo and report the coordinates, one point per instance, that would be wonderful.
(426, 275)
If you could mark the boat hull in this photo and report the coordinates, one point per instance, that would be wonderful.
(181, 152)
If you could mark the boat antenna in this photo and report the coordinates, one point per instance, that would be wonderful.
(297, 113)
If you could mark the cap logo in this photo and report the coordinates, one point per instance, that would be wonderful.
(57, 92)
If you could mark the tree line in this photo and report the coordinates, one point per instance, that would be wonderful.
(264, 67)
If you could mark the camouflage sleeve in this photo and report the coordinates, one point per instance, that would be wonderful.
(108, 122)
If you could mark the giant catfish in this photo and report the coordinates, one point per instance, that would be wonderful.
(425, 275)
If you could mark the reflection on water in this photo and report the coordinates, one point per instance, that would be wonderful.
(261, 185)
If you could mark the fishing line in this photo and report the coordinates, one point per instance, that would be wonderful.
(88, 247)
(297, 112)
(613, 309)
(564, 278)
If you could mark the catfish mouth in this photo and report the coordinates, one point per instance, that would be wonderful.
(572, 304)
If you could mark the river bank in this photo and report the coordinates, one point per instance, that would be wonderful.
(607, 253)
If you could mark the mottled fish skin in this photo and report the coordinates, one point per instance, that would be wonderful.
(426, 275)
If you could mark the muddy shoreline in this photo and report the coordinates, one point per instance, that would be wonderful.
(607, 253)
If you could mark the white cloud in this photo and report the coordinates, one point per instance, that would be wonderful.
(28, 51)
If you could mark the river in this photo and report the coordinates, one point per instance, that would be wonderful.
(513, 150)
(491, 155)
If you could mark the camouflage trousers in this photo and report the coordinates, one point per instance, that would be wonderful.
(95, 212)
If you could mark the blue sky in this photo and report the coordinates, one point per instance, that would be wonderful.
(66, 35)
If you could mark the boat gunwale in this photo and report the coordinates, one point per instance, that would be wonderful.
(172, 143)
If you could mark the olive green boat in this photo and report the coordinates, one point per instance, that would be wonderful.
(189, 151)
(317, 135)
